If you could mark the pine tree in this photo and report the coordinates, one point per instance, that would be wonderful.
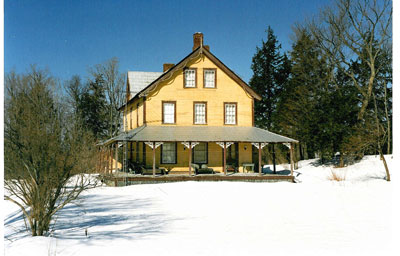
(297, 108)
(271, 70)
(93, 108)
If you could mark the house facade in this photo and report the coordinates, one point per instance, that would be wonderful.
(197, 111)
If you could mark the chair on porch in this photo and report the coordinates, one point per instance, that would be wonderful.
(231, 168)
(134, 167)
(149, 171)
(203, 170)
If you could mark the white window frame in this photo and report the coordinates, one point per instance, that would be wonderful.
(167, 116)
(193, 79)
(229, 118)
(197, 118)
(207, 79)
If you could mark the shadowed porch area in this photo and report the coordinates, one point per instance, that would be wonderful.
(188, 150)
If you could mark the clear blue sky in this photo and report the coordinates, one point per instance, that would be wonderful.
(68, 37)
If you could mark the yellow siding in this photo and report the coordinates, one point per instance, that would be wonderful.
(226, 90)
(244, 154)
(133, 114)
(140, 110)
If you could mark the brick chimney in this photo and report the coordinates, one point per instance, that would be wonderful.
(167, 66)
(197, 40)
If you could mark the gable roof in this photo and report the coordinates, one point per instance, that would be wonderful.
(138, 80)
(180, 65)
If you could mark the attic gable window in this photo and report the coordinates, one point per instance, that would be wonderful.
(190, 78)
(230, 113)
(209, 78)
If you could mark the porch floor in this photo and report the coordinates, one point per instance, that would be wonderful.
(122, 179)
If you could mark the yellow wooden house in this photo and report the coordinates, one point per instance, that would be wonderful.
(196, 114)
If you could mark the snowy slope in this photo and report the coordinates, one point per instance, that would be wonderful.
(313, 217)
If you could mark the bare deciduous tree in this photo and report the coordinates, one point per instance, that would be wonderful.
(46, 151)
(357, 29)
(114, 83)
(349, 31)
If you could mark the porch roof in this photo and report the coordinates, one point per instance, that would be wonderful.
(199, 134)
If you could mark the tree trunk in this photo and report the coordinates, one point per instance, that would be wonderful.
(301, 151)
(386, 167)
(388, 123)
(305, 151)
(341, 161)
(379, 143)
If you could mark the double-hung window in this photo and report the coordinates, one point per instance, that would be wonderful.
(230, 113)
(200, 113)
(168, 153)
(190, 78)
(209, 78)
(168, 112)
(200, 153)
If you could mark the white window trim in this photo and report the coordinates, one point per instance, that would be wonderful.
(228, 120)
(165, 114)
(196, 114)
(205, 77)
(194, 80)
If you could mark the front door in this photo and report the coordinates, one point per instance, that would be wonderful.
(232, 155)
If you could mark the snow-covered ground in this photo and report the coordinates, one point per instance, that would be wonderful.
(315, 216)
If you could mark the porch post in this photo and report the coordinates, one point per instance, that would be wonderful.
(225, 158)
(116, 156)
(291, 159)
(98, 166)
(259, 158)
(190, 158)
(108, 159)
(110, 151)
(154, 159)
(101, 160)
(273, 157)
(123, 157)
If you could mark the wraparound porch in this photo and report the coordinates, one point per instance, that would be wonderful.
(176, 149)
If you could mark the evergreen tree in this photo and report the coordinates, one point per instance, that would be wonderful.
(297, 108)
(93, 108)
(114, 88)
(271, 70)
(89, 105)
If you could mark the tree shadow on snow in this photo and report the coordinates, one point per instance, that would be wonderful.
(15, 222)
(268, 170)
(103, 218)
(370, 177)
(335, 161)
